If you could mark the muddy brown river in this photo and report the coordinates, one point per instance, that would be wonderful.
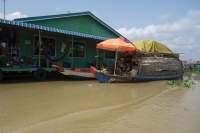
(91, 107)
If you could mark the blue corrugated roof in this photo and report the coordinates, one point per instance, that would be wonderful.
(49, 29)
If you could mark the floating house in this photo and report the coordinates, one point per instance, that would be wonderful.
(196, 65)
(32, 44)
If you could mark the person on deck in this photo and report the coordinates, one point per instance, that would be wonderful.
(120, 66)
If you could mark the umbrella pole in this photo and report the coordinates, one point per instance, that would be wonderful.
(116, 54)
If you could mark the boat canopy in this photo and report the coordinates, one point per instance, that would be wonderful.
(152, 46)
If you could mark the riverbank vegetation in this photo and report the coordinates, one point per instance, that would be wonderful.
(181, 83)
(187, 80)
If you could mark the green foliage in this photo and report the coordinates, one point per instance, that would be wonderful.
(182, 83)
(171, 82)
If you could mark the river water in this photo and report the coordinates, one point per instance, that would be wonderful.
(91, 107)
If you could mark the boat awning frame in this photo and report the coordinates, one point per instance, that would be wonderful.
(49, 29)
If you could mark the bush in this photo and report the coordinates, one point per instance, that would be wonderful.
(183, 83)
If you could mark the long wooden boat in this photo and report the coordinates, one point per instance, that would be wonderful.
(149, 68)
(76, 72)
(81, 74)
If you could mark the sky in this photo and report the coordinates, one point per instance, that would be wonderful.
(176, 23)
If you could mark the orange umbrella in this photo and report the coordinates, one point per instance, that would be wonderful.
(117, 44)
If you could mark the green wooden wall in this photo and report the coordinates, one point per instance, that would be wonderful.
(26, 40)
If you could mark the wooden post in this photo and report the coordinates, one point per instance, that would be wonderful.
(97, 59)
(72, 52)
(39, 49)
(4, 9)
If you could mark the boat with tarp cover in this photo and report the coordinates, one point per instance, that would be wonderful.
(153, 61)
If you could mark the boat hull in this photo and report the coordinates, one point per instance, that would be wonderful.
(68, 72)
(102, 78)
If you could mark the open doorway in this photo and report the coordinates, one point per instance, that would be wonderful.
(9, 52)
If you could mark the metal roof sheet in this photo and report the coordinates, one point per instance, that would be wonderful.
(87, 13)
(49, 29)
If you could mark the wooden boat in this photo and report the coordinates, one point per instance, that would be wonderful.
(76, 72)
(149, 68)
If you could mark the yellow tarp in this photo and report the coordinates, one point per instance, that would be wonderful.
(151, 46)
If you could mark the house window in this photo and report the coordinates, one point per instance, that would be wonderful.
(109, 55)
(78, 50)
(48, 46)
